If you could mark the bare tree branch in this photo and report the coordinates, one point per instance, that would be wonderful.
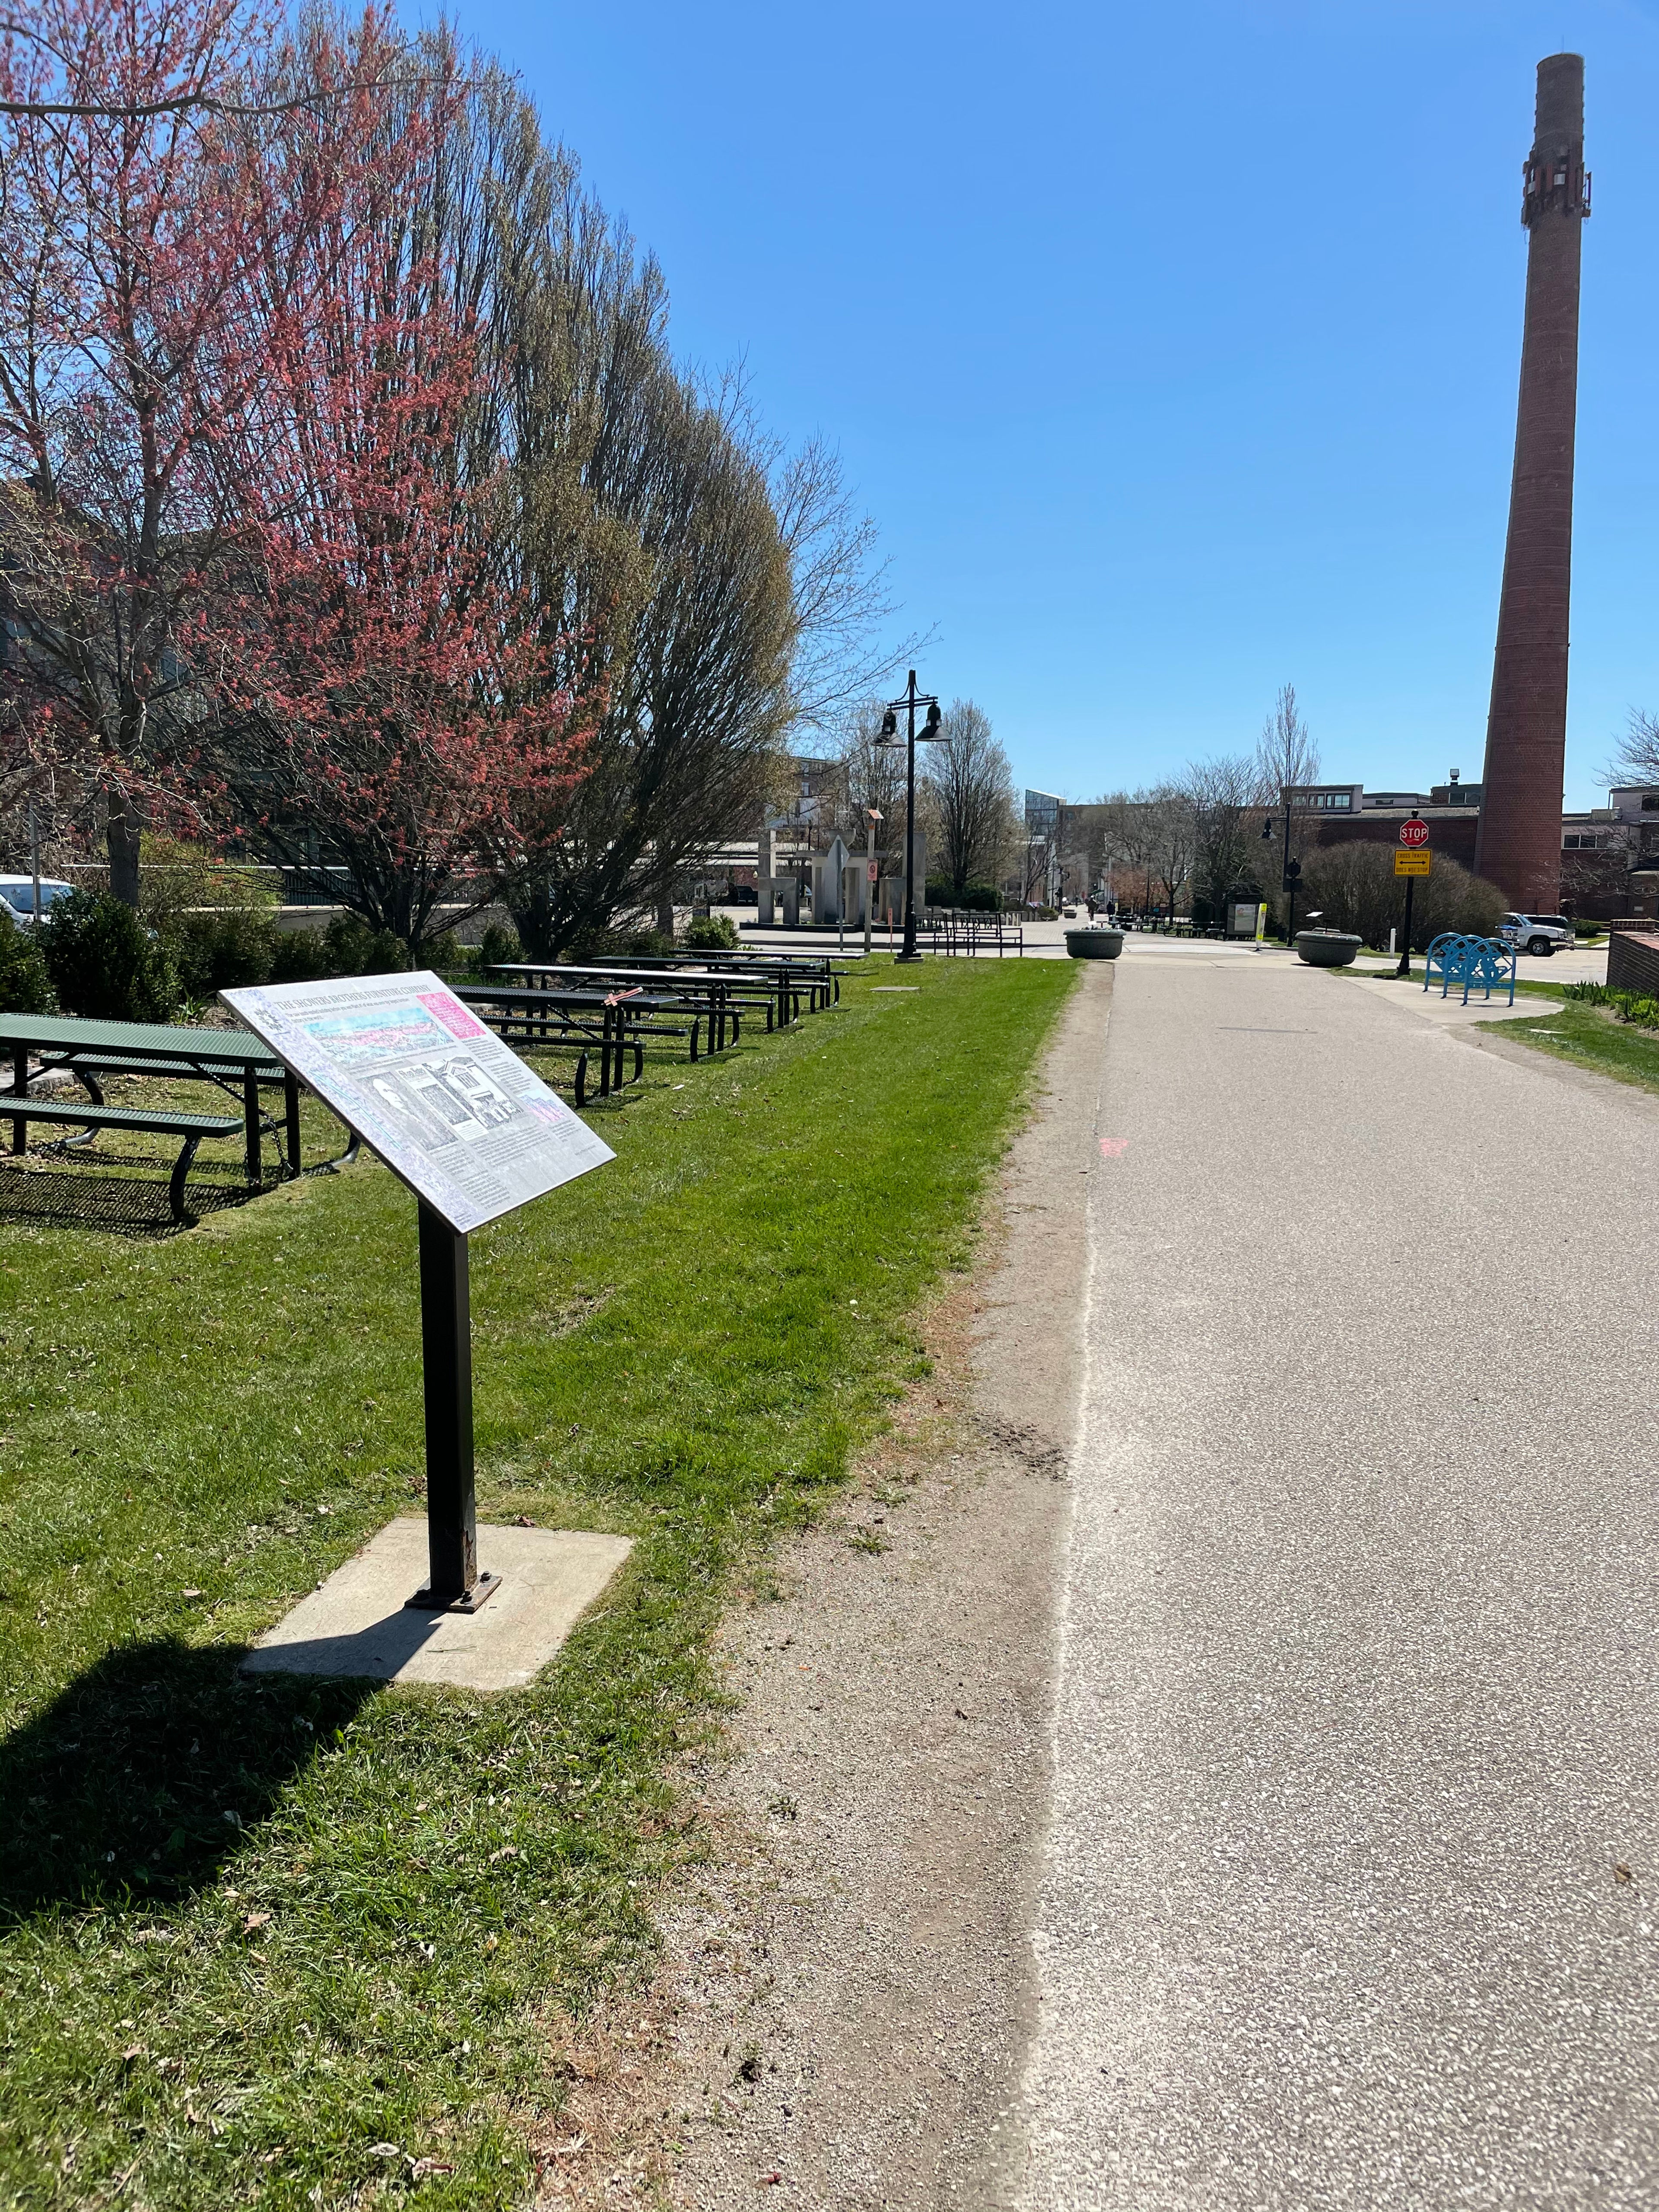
(1637, 758)
(970, 795)
(207, 103)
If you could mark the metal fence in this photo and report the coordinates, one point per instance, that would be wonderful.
(325, 886)
(966, 932)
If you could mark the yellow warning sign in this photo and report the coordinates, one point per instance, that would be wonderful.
(1411, 864)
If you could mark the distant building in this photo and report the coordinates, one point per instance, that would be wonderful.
(1323, 798)
(1374, 817)
(1040, 880)
(1638, 810)
(1610, 858)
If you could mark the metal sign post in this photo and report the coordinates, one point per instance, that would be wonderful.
(454, 1581)
(1411, 860)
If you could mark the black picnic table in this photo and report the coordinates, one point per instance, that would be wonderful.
(614, 1021)
(784, 980)
(821, 970)
(723, 997)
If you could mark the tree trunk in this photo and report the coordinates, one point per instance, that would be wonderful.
(665, 916)
(122, 835)
(530, 907)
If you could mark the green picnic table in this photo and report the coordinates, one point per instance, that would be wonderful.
(234, 1061)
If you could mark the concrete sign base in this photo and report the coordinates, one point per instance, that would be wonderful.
(360, 1624)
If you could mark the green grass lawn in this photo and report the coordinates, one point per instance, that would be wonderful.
(1530, 987)
(1590, 1036)
(297, 1942)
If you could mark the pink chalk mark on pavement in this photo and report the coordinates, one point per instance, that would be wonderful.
(1112, 1148)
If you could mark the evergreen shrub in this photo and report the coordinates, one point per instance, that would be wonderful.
(354, 949)
(298, 955)
(215, 952)
(712, 933)
(499, 947)
(105, 963)
(25, 984)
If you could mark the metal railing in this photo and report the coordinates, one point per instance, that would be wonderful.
(958, 932)
(326, 885)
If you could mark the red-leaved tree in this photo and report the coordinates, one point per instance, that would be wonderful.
(383, 697)
(127, 235)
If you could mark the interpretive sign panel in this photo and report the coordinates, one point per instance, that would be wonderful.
(443, 1102)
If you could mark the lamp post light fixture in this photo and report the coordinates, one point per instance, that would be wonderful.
(911, 701)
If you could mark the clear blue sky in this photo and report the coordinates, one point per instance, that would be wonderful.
(1173, 348)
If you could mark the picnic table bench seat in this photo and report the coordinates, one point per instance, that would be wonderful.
(98, 1064)
(159, 1121)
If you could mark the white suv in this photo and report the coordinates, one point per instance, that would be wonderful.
(1541, 933)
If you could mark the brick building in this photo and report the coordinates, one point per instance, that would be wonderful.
(1341, 814)
(1609, 856)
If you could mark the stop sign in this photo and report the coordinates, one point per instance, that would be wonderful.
(1414, 832)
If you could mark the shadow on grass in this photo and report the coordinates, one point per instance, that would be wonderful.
(139, 1777)
(104, 1193)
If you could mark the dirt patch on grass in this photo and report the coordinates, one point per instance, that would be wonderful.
(847, 1986)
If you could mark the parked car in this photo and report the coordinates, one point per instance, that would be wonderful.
(17, 896)
(1540, 934)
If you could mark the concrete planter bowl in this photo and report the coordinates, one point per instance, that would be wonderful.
(1327, 948)
(1094, 944)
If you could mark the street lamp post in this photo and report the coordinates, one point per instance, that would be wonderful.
(911, 701)
(1291, 874)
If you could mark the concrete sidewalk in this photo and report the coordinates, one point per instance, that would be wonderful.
(1351, 1898)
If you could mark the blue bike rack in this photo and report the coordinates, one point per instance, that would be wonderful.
(1473, 962)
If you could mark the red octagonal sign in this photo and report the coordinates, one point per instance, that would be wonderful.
(1414, 832)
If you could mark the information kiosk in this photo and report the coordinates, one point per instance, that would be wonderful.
(475, 1133)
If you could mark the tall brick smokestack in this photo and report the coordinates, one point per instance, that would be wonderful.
(1519, 843)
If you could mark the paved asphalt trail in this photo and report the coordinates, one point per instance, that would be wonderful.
(1357, 1716)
